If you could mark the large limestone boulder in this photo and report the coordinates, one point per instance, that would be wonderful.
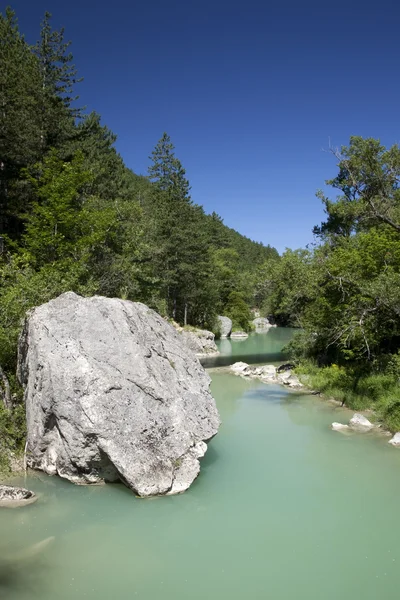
(225, 325)
(113, 394)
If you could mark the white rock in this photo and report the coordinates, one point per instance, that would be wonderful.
(239, 367)
(360, 423)
(340, 427)
(395, 441)
(268, 372)
(294, 382)
(239, 334)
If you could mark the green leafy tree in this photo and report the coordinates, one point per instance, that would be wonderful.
(238, 310)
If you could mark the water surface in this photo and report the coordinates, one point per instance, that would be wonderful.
(263, 347)
(284, 509)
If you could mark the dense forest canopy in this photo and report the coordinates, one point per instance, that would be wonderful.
(74, 217)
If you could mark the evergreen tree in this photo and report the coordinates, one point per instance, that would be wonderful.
(166, 170)
(58, 78)
(19, 118)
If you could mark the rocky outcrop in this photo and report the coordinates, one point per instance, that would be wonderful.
(267, 374)
(113, 394)
(262, 324)
(200, 341)
(12, 497)
(225, 325)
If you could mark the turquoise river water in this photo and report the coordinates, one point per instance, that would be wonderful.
(284, 509)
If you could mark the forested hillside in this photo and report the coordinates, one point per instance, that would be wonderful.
(74, 217)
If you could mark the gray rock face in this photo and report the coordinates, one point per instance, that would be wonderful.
(239, 335)
(113, 394)
(11, 496)
(200, 341)
(225, 325)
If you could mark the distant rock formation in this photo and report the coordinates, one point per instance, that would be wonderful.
(262, 324)
(113, 394)
(225, 325)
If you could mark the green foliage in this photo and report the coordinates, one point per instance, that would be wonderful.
(12, 434)
(237, 310)
(377, 391)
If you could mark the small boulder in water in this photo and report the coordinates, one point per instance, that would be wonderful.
(395, 440)
(340, 427)
(12, 497)
(360, 423)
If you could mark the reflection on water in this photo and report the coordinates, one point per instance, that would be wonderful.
(257, 348)
(283, 508)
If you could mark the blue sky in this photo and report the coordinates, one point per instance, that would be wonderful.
(250, 92)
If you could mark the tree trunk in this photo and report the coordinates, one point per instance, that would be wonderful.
(5, 391)
(185, 315)
(174, 308)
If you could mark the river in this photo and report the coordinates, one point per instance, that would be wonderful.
(284, 509)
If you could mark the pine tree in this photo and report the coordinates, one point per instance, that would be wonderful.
(19, 117)
(58, 78)
(167, 171)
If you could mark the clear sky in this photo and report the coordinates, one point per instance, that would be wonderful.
(250, 92)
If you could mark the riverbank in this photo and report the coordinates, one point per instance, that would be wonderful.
(377, 394)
